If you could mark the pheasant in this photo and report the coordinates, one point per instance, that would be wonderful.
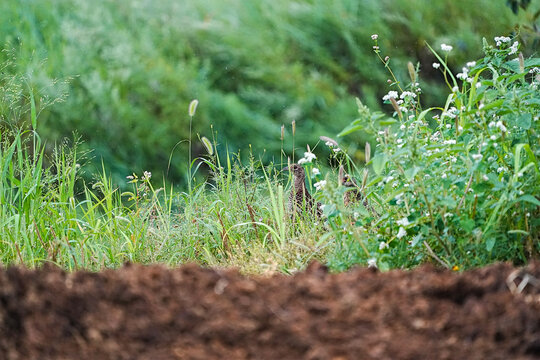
(353, 193)
(299, 197)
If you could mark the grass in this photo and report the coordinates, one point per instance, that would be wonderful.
(456, 185)
(134, 66)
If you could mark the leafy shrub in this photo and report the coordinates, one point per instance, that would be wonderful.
(456, 184)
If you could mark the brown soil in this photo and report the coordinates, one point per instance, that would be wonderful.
(194, 313)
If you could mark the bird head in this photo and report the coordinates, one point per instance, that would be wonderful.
(297, 170)
(345, 179)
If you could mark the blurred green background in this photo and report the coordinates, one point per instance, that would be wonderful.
(131, 67)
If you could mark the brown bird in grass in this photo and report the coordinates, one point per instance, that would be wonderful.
(299, 198)
(353, 193)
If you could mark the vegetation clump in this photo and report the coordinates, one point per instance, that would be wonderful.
(455, 184)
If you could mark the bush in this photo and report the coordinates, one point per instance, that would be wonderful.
(456, 184)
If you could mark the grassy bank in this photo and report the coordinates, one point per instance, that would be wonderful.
(454, 184)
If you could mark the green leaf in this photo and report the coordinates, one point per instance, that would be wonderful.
(33, 114)
(388, 121)
(467, 224)
(356, 125)
(411, 172)
(494, 104)
(524, 121)
(528, 198)
(490, 243)
(378, 163)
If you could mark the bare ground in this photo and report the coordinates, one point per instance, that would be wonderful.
(152, 312)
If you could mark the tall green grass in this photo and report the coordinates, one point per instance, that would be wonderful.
(455, 184)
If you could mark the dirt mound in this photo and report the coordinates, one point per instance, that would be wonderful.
(194, 313)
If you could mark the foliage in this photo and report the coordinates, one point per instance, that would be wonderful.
(134, 66)
(456, 184)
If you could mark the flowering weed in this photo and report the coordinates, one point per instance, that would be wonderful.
(456, 184)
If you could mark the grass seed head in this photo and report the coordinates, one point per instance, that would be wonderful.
(208, 145)
(412, 71)
(193, 107)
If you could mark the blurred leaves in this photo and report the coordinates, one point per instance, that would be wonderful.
(135, 66)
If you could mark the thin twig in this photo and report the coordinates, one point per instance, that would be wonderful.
(432, 253)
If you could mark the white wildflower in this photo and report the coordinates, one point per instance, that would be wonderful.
(403, 222)
(444, 176)
(407, 93)
(383, 245)
(401, 233)
(315, 171)
(499, 40)
(436, 65)
(372, 263)
(513, 48)
(391, 95)
(309, 156)
(501, 126)
(477, 156)
(485, 177)
(445, 47)
(320, 185)
(374, 37)
(471, 64)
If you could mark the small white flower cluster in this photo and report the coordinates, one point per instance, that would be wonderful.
(407, 93)
(446, 48)
(471, 64)
(499, 40)
(320, 185)
(436, 65)
(464, 74)
(372, 263)
(308, 158)
(451, 113)
(514, 48)
(315, 171)
(383, 245)
(477, 157)
(374, 37)
(391, 95)
(401, 233)
(499, 125)
(146, 175)
(403, 222)
(449, 142)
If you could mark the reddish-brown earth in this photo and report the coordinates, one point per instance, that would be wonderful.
(194, 313)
